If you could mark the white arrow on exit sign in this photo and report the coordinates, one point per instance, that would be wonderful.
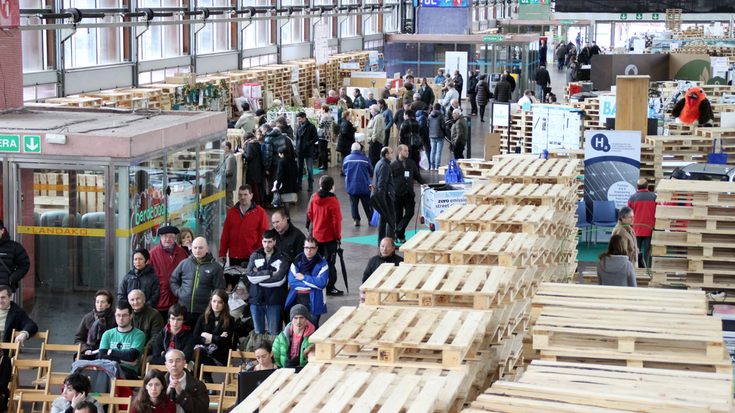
(32, 144)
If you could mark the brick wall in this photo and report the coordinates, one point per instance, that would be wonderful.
(11, 69)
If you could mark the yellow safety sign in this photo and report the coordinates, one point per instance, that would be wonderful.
(75, 232)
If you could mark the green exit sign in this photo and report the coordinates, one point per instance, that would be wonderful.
(492, 38)
(9, 143)
(639, 16)
(567, 22)
(525, 1)
(623, 16)
(654, 16)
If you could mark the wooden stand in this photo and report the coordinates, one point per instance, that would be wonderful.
(632, 104)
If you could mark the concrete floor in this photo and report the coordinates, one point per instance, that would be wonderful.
(61, 313)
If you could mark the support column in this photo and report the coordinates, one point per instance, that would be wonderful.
(631, 106)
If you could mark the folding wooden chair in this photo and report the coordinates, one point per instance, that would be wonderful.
(43, 335)
(56, 378)
(33, 398)
(216, 401)
(230, 373)
(149, 367)
(115, 403)
(28, 364)
(119, 383)
(239, 358)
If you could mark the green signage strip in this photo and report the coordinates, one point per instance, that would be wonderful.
(639, 16)
(623, 16)
(32, 144)
(654, 16)
(492, 38)
(9, 143)
(567, 22)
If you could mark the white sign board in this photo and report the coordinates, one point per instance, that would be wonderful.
(555, 127)
(501, 115)
(321, 49)
(349, 65)
(457, 61)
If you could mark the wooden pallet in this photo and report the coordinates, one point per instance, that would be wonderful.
(558, 197)
(424, 285)
(696, 193)
(631, 336)
(324, 387)
(485, 248)
(528, 170)
(394, 332)
(529, 219)
(575, 387)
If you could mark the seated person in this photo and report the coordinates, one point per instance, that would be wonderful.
(94, 324)
(614, 266)
(183, 388)
(264, 355)
(125, 343)
(152, 396)
(76, 390)
(526, 98)
(145, 318)
(387, 255)
(307, 279)
(14, 318)
(291, 348)
(85, 407)
(175, 335)
(213, 332)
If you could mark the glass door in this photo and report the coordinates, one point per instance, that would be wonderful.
(62, 223)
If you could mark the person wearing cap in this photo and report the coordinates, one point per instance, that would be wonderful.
(15, 261)
(165, 257)
(643, 203)
(307, 279)
(260, 114)
(141, 277)
(291, 348)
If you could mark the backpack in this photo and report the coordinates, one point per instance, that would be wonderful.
(415, 141)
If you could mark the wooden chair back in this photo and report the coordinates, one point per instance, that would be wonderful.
(33, 398)
(116, 403)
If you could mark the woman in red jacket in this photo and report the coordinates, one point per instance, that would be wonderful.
(153, 397)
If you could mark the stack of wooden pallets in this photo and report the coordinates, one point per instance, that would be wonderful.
(618, 349)
(557, 197)
(470, 168)
(697, 250)
(530, 169)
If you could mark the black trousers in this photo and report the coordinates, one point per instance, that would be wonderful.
(385, 230)
(644, 252)
(328, 250)
(323, 154)
(482, 112)
(386, 141)
(374, 152)
(473, 103)
(405, 206)
(458, 149)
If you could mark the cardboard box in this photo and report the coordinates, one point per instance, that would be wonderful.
(492, 145)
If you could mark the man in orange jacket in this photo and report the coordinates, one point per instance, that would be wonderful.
(326, 218)
(243, 230)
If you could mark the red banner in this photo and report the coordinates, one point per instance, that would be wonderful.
(9, 13)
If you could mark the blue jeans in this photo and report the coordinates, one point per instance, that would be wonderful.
(540, 93)
(355, 204)
(435, 158)
(260, 312)
(309, 168)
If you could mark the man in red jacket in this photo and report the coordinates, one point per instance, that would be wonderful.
(243, 230)
(165, 257)
(326, 219)
(643, 203)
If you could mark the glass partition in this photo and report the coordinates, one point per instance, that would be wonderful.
(212, 186)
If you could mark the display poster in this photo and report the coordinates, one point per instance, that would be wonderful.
(321, 49)
(501, 115)
(607, 107)
(555, 127)
(457, 61)
(612, 163)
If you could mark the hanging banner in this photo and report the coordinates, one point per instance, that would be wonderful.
(612, 166)
(457, 61)
(321, 49)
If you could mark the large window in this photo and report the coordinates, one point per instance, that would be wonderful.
(214, 37)
(372, 25)
(391, 19)
(329, 21)
(349, 28)
(34, 44)
(159, 42)
(258, 34)
(159, 76)
(92, 47)
(293, 31)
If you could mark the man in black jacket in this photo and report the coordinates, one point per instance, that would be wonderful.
(290, 240)
(14, 261)
(387, 256)
(502, 89)
(458, 82)
(412, 135)
(174, 335)
(267, 272)
(15, 318)
(306, 138)
(543, 81)
(472, 90)
(383, 183)
(405, 171)
(399, 117)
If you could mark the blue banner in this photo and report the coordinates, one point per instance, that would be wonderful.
(444, 3)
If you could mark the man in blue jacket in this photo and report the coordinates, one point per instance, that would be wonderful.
(267, 270)
(358, 170)
(307, 279)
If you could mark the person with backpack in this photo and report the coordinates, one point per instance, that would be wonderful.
(405, 170)
(411, 135)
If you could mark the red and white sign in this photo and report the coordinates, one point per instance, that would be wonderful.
(9, 13)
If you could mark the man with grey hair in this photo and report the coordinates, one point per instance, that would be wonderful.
(357, 169)
(370, 101)
(459, 133)
(145, 318)
(195, 278)
(375, 134)
(343, 97)
(332, 97)
(417, 104)
(454, 105)
(450, 95)
(385, 93)
(183, 388)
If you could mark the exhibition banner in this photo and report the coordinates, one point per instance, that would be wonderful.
(555, 127)
(612, 163)
(457, 61)
(501, 115)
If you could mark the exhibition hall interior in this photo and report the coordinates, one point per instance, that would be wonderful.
(429, 206)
